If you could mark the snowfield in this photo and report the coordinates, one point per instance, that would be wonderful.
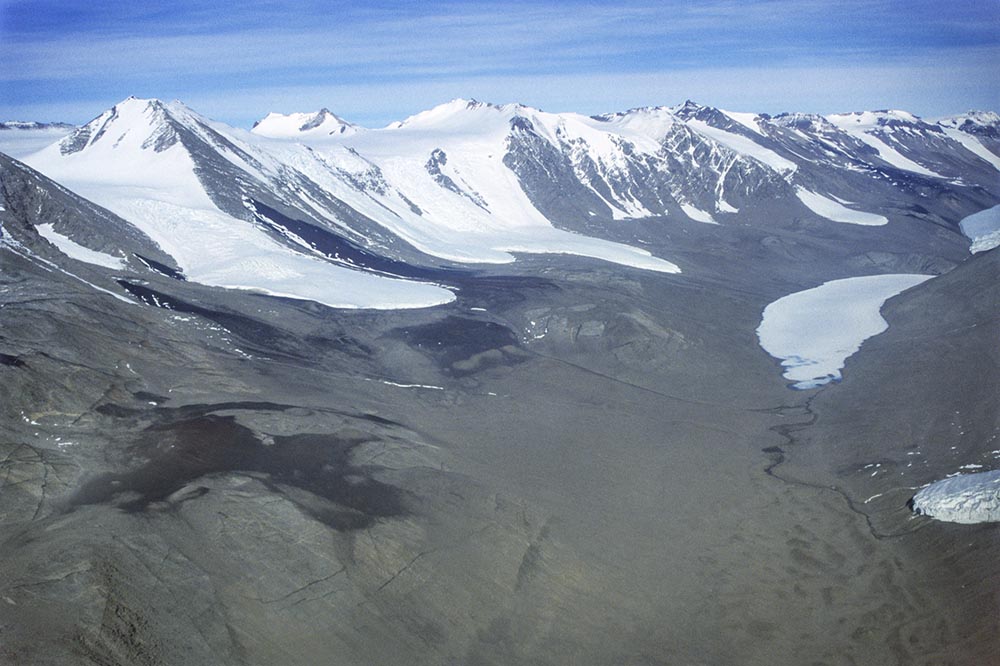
(967, 498)
(381, 174)
(74, 250)
(160, 194)
(745, 146)
(813, 332)
(836, 211)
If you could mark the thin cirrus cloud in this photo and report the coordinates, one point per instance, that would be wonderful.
(379, 61)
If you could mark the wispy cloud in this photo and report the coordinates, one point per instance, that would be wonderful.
(380, 53)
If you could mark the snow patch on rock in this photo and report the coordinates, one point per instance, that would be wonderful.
(837, 212)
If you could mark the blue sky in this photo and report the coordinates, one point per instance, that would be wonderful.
(376, 61)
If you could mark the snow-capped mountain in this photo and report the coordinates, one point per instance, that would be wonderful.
(308, 205)
(300, 125)
(32, 125)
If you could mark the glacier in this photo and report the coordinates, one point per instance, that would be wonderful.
(966, 498)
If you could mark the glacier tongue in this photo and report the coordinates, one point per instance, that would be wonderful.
(967, 498)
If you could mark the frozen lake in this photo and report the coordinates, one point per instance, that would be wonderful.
(813, 332)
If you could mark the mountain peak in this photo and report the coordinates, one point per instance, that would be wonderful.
(317, 124)
(150, 122)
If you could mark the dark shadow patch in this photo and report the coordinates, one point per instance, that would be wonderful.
(12, 361)
(456, 338)
(146, 396)
(251, 330)
(342, 495)
(503, 290)
(189, 411)
(117, 411)
(379, 420)
(342, 251)
(342, 343)
(160, 268)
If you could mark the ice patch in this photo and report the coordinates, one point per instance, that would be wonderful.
(834, 211)
(74, 250)
(697, 215)
(983, 229)
(967, 498)
(814, 331)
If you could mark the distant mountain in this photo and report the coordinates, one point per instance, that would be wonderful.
(473, 182)
(33, 125)
(297, 125)
(19, 138)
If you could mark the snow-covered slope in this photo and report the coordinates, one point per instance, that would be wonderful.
(398, 195)
(299, 125)
(472, 182)
(131, 160)
(837, 211)
(876, 129)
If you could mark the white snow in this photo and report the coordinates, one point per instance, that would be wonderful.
(983, 229)
(974, 145)
(744, 146)
(835, 211)
(860, 126)
(160, 194)
(748, 120)
(697, 215)
(74, 250)
(814, 331)
(420, 386)
(979, 118)
(290, 126)
(17, 248)
(967, 498)
(473, 137)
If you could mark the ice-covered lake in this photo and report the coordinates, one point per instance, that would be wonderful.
(813, 332)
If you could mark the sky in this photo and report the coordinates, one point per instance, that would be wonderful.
(375, 62)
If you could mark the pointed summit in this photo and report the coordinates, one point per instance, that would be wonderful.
(320, 124)
(145, 120)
